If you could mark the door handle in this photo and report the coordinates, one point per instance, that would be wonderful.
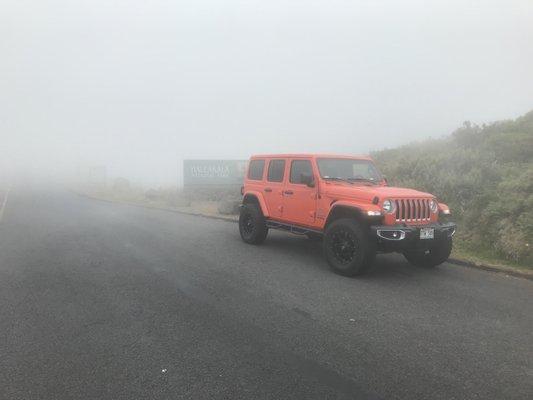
(268, 190)
(288, 192)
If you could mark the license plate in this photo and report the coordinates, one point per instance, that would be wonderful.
(427, 233)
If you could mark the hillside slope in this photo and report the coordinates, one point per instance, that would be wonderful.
(485, 174)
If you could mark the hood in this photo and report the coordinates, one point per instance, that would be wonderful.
(341, 190)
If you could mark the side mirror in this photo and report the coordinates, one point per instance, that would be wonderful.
(385, 180)
(308, 180)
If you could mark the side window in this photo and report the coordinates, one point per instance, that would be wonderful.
(255, 169)
(276, 169)
(299, 168)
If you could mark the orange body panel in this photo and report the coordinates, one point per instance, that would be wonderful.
(303, 205)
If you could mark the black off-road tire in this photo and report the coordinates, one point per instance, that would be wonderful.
(252, 225)
(348, 248)
(432, 257)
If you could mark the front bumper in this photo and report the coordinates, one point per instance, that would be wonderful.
(405, 237)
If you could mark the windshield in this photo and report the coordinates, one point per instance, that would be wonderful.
(348, 169)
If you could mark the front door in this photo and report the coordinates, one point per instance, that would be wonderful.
(300, 200)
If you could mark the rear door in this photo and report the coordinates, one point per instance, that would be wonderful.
(299, 200)
(273, 188)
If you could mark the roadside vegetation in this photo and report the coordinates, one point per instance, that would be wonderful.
(485, 174)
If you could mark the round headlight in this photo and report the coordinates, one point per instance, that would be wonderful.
(433, 206)
(388, 206)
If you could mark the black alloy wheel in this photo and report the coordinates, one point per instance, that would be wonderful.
(252, 225)
(348, 248)
(344, 245)
(248, 225)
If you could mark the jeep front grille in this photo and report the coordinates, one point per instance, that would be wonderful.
(412, 210)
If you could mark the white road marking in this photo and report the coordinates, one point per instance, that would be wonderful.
(4, 205)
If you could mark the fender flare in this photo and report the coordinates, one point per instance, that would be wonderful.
(260, 200)
(360, 208)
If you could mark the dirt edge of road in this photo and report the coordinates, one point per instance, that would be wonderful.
(519, 273)
(158, 207)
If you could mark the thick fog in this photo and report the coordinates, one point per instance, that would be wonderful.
(139, 85)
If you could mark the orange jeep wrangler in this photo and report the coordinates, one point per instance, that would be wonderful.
(345, 201)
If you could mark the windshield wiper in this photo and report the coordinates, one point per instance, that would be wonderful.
(362, 180)
(336, 178)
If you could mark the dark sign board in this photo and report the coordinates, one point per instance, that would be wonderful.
(213, 172)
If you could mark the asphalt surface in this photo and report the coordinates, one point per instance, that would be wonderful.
(109, 301)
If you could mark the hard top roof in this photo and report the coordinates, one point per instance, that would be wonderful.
(311, 155)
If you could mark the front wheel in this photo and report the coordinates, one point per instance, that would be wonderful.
(347, 247)
(435, 255)
(252, 225)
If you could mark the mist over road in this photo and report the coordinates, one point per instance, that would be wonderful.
(108, 301)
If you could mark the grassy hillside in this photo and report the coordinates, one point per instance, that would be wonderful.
(485, 174)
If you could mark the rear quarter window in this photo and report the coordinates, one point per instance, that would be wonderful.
(255, 169)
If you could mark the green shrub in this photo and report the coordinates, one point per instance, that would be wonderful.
(485, 174)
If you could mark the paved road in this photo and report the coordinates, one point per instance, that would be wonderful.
(107, 301)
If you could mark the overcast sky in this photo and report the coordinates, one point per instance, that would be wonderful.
(138, 85)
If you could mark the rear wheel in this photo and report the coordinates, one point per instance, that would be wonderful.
(347, 247)
(435, 255)
(252, 225)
